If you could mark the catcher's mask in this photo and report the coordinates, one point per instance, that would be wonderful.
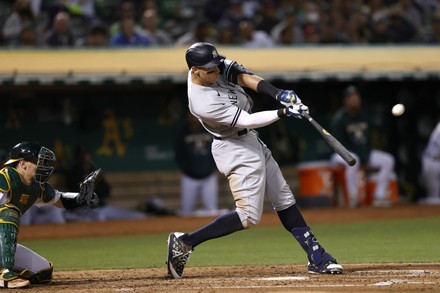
(37, 154)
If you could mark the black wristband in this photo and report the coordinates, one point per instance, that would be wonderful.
(267, 88)
(70, 203)
(281, 112)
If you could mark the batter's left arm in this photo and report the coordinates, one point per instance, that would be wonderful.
(260, 85)
(249, 81)
(238, 74)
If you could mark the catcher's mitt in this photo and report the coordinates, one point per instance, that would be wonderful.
(87, 195)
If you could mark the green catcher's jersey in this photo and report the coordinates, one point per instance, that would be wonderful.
(19, 196)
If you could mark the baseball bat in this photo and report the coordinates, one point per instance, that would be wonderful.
(332, 141)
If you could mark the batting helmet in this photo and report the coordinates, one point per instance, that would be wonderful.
(203, 54)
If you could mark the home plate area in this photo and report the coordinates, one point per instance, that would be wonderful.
(291, 278)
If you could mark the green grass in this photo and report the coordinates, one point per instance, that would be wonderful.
(409, 240)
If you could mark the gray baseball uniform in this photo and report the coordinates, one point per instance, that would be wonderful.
(223, 108)
(238, 152)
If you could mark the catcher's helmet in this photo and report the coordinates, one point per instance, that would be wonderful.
(37, 154)
(27, 151)
(203, 54)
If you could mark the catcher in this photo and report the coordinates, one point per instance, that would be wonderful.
(23, 183)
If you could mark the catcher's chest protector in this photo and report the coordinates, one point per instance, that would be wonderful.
(21, 196)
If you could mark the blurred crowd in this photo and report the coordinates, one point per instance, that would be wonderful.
(249, 23)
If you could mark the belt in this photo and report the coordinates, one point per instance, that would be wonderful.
(240, 133)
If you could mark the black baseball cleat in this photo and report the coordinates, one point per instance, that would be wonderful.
(320, 261)
(327, 266)
(330, 268)
(178, 255)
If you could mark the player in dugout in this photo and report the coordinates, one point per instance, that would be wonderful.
(217, 98)
(23, 183)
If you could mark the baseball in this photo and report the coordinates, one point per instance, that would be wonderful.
(398, 109)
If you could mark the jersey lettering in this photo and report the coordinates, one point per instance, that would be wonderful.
(232, 95)
(219, 106)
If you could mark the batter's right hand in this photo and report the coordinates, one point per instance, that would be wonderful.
(297, 110)
(288, 97)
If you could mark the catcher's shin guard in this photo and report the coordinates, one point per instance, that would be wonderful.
(320, 262)
(8, 245)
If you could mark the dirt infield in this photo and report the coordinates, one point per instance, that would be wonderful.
(357, 278)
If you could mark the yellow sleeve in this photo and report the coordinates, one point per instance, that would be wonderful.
(4, 184)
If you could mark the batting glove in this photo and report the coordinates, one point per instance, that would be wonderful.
(296, 110)
(288, 97)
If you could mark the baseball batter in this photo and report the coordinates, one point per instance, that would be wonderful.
(217, 98)
(23, 183)
(431, 167)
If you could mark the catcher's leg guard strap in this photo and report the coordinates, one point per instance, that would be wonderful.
(8, 275)
(11, 279)
(8, 245)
